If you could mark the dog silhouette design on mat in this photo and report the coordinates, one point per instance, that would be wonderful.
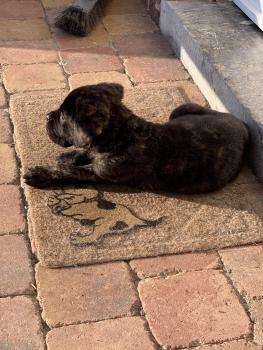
(99, 216)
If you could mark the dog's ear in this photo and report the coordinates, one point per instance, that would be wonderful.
(113, 90)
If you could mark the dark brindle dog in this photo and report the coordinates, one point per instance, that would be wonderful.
(197, 150)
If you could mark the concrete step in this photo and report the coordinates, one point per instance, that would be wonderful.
(222, 50)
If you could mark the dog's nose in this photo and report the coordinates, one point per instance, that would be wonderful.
(48, 116)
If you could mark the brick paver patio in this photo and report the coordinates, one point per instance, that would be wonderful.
(203, 301)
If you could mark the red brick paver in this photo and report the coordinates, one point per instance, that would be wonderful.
(20, 78)
(20, 9)
(233, 345)
(21, 52)
(31, 29)
(5, 128)
(2, 97)
(256, 311)
(77, 80)
(20, 326)
(92, 293)
(120, 7)
(11, 217)
(91, 60)
(152, 69)
(174, 263)
(193, 308)
(245, 268)
(8, 171)
(127, 333)
(98, 37)
(127, 24)
(145, 44)
(15, 266)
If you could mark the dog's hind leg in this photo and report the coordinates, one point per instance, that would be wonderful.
(190, 108)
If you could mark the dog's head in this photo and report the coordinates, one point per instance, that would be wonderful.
(84, 114)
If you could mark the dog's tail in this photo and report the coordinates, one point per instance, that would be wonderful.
(81, 17)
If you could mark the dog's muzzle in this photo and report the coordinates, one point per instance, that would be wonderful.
(54, 129)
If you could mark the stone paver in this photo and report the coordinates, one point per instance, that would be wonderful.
(77, 80)
(98, 37)
(145, 44)
(256, 311)
(193, 308)
(31, 29)
(5, 128)
(21, 52)
(127, 333)
(8, 171)
(20, 326)
(2, 97)
(174, 263)
(91, 60)
(233, 345)
(82, 294)
(245, 268)
(20, 78)
(20, 9)
(140, 69)
(15, 266)
(120, 7)
(11, 217)
(127, 24)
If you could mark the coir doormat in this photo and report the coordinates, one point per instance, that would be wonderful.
(71, 226)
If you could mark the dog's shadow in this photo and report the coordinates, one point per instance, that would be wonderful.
(244, 193)
(100, 216)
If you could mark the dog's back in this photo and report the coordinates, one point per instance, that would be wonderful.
(202, 151)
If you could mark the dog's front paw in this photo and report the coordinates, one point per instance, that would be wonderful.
(38, 176)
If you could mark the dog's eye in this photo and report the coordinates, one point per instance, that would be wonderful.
(62, 117)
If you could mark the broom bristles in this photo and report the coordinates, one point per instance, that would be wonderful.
(79, 20)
